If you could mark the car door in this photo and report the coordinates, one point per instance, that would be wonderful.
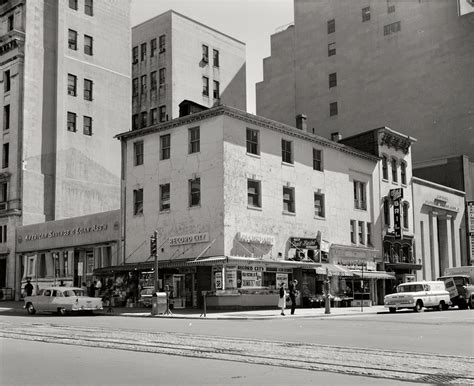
(450, 285)
(43, 302)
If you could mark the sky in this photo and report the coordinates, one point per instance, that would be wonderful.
(250, 21)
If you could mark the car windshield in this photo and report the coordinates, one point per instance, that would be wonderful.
(410, 288)
(74, 292)
(147, 291)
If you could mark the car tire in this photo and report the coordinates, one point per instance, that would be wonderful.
(30, 309)
(445, 307)
(392, 310)
(441, 306)
(62, 311)
(418, 306)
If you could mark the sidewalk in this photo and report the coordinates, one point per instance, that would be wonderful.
(11, 306)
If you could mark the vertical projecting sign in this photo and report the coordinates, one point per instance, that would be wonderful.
(396, 196)
(470, 227)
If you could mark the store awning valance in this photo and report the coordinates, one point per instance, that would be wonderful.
(374, 275)
(334, 270)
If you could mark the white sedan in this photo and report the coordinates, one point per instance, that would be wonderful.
(62, 300)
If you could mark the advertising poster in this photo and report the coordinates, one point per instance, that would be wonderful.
(282, 278)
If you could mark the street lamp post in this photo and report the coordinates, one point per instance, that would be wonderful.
(327, 305)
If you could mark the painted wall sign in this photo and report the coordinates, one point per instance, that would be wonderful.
(66, 232)
(256, 238)
(189, 239)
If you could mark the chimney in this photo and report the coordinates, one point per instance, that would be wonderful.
(301, 122)
(336, 137)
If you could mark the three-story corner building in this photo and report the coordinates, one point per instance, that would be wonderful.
(175, 58)
(242, 203)
(65, 91)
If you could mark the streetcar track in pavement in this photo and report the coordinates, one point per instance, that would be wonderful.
(397, 365)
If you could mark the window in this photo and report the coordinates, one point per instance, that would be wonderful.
(194, 140)
(138, 153)
(162, 43)
(353, 232)
(405, 214)
(365, 14)
(6, 117)
(87, 125)
(135, 55)
(288, 199)
(394, 170)
(135, 87)
(71, 84)
(331, 49)
(5, 155)
(89, 7)
(386, 211)
(195, 192)
(162, 76)
(88, 89)
(252, 141)
(286, 151)
(143, 84)
(216, 90)
(165, 197)
(205, 86)
(143, 52)
(72, 39)
(135, 121)
(319, 205)
(152, 47)
(317, 159)
(73, 4)
(88, 45)
(360, 232)
(390, 7)
(6, 81)
(369, 233)
(403, 172)
(137, 202)
(392, 28)
(333, 80)
(205, 53)
(71, 121)
(359, 195)
(333, 109)
(143, 119)
(165, 146)
(331, 26)
(11, 22)
(163, 114)
(3, 192)
(154, 116)
(153, 84)
(253, 194)
(3, 234)
(215, 58)
(384, 167)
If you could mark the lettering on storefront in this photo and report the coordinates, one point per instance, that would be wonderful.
(189, 239)
(254, 268)
(66, 232)
(357, 265)
(304, 243)
(255, 238)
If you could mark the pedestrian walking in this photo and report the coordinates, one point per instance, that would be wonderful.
(282, 299)
(293, 292)
(28, 287)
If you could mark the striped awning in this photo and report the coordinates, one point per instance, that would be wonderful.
(374, 275)
(334, 270)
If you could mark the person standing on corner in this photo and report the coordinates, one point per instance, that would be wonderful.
(282, 299)
(293, 293)
(28, 287)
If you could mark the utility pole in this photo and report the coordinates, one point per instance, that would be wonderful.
(154, 253)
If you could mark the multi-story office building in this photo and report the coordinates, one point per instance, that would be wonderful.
(349, 65)
(175, 58)
(65, 92)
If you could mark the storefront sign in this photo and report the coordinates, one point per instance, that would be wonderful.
(256, 238)
(189, 239)
(66, 232)
(218, 280)
(396, 195)
(470, 227)
(251, 279)
(304, 243)
(249, 267)
(357, 265)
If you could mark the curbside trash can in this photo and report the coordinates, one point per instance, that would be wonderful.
(158, 303)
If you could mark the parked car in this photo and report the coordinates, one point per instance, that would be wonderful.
(416, 295)
(61, 300)
(145, 296)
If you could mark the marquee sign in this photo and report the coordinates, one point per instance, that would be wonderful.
(470, 227)
(396, 195)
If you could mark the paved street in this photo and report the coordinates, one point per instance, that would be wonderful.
(431, 347)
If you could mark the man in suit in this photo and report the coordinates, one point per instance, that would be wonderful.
(293, 292)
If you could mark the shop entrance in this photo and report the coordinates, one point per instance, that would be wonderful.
(179, 293)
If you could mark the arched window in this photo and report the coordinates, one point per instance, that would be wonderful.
(403, 172)
(394, 170)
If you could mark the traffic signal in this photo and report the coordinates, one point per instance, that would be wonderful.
(153, 244)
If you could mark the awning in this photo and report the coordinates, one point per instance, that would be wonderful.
(374, 275)
(334, 270)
